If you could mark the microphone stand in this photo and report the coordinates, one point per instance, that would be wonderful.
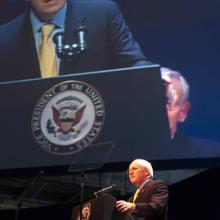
(17, 210)
(82, 184)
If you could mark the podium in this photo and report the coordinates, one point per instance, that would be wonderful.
(100, 208)
(54, 118)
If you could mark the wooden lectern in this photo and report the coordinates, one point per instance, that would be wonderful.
(100, 208)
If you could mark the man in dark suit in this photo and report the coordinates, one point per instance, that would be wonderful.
(109, 41)
(151, 198)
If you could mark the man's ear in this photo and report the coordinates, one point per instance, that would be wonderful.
(184, 111)
(147, 173)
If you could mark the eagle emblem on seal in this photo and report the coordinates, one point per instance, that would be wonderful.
(67, 113)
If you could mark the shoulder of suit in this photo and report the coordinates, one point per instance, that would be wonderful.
(14, 24)
(156, 182)
(159, 181)
(97, 3)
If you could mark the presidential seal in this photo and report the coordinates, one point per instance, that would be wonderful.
(68, 117)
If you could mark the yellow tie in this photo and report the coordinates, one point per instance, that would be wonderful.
(135, 195)
(47, 53)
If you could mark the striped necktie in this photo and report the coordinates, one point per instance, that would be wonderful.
(47, 53)
(135, 195)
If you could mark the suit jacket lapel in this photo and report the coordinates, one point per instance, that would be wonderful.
(27, 59)
(75, 17)
(143, 191)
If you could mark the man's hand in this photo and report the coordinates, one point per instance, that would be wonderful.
(123, 206)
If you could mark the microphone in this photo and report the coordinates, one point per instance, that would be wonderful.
(58, 40)
(108, 189)
(72, 50)
(81, 34)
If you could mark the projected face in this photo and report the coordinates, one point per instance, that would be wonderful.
(46, 9)
(177, 106)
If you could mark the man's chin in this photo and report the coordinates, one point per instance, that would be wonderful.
(132, 181)
(51, 6)
(48, 13)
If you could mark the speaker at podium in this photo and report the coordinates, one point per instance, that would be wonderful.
(100, 208)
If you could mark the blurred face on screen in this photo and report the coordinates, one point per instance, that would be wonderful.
(177, 106)
(46, 9)
(137, 173)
